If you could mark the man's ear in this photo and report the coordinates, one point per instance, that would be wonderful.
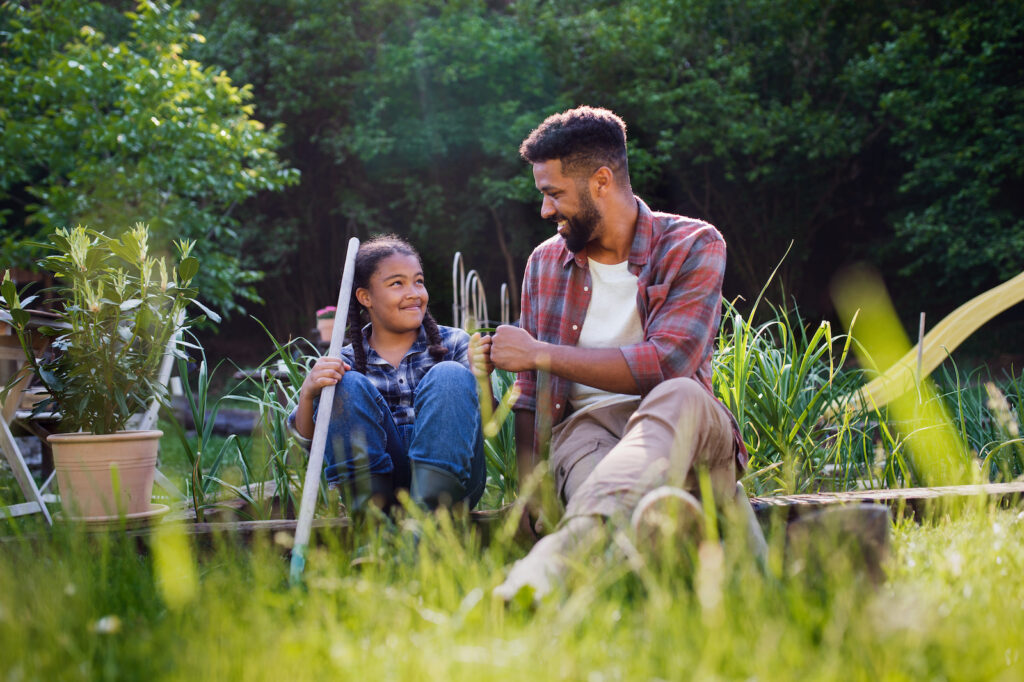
(363, 296)
(602, 181)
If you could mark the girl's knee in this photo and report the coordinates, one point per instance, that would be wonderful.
(450, 372)
(355, 383)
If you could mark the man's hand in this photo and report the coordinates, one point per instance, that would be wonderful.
(531, 527)
(515, 350)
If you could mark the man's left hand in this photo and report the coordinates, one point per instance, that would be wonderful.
(514, 349)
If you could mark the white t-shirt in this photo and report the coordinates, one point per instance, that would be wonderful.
(612, 321)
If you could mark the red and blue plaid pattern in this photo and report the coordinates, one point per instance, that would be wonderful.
(679, 263)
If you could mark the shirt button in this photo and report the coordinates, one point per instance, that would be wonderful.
(575, 327)
(558, 406)
(586, 288)
(401, 381)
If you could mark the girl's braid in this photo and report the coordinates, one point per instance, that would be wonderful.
(436, 348)
(355, 334)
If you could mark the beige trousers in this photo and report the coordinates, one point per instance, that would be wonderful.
(605, 459)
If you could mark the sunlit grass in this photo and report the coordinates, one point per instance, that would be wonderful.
(382, 604)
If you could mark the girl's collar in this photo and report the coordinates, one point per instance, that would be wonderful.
(420, 345)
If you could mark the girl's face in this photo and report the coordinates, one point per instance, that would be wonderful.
(396, 297)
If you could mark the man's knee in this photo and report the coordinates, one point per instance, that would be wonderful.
(675, 397)
(680, 388)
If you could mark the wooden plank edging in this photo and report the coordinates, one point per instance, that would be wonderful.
(248, 527)
(889, 495)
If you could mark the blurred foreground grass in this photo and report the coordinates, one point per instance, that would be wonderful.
(380, 605)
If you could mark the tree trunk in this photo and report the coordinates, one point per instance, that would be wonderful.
(510, 265)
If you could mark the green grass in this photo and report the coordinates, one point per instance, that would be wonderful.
(381, 606)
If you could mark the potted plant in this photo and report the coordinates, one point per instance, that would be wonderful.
(325, 322)
(118, 306)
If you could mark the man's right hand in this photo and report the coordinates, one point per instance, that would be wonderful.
(514, 349)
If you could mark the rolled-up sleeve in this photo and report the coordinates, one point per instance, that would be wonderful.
(683, 317)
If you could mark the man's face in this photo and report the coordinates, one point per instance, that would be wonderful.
(568, 203)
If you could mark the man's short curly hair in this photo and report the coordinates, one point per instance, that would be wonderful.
(583, 139)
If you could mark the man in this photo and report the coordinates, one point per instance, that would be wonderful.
(621, 308)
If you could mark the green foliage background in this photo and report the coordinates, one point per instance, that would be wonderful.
(858, 130)
(106, 121)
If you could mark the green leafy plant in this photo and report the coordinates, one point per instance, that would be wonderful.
(274, 456)
(118, 307)
(203, 447)
(500, 445)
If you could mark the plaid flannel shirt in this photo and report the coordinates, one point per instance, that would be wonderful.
(679, 263)
(398, 384)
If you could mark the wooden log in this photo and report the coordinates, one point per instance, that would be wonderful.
(855, 536)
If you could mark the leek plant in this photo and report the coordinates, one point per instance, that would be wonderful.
(781, 379)
(205, 452)
(500, 447)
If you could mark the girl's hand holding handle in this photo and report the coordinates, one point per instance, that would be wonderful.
(480, 355)
(327, 371)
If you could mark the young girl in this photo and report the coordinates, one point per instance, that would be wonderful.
(406, 413)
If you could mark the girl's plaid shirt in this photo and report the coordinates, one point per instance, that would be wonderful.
(398, 384)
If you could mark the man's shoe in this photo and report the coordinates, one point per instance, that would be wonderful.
(546, 565)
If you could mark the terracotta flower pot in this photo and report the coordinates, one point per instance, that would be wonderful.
(326, 328)
(85, 464)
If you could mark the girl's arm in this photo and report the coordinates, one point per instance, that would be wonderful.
(326, 371)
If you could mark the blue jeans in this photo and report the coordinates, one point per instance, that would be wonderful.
(363, 438)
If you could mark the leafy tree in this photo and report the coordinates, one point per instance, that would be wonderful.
(739, 113)
(404, 117)
(105, 121)
(305, 60)
(779, 121)
(948, 82)
(453, 90)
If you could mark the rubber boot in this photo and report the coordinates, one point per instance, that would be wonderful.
(434, 487)
(375, 489)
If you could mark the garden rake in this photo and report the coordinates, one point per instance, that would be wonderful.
(323, 417)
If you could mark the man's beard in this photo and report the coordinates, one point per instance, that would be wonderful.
(579, 229)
